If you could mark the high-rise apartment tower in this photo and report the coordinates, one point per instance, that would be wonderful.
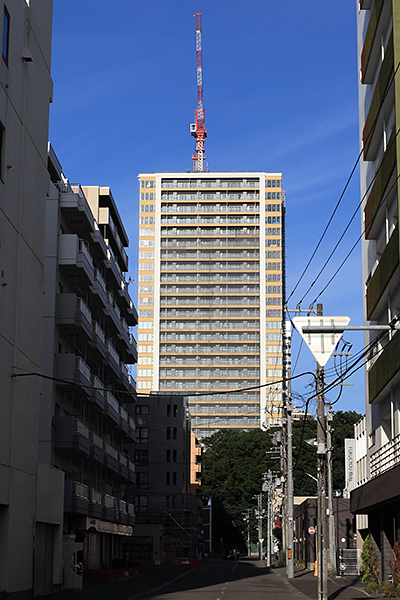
(210, 295)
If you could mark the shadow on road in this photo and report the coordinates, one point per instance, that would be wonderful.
(166, 579)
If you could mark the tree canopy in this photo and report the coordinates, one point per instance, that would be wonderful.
(233, 464)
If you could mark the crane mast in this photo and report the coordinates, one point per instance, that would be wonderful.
(198, 129)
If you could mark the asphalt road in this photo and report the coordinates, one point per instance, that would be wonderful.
(213, 579)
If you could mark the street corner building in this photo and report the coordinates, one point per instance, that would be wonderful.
(376, 497)
(210, 295)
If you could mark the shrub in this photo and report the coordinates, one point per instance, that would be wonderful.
(369, 564)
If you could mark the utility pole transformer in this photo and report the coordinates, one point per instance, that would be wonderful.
(197, 129)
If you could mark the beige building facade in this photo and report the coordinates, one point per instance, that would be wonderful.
(210, 295)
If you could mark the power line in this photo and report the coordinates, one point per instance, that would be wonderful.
(346, 229)
(346, 185)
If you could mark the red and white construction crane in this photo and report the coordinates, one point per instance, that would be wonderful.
(198, 129)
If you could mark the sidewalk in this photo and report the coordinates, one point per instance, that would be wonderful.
(340, 588)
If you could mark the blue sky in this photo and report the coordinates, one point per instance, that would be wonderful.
(280, 94)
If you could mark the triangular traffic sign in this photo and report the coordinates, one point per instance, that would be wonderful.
(321, 344)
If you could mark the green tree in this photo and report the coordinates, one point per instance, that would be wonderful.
(369, 564)
(232, 473)
(233, 464)
(305, 456)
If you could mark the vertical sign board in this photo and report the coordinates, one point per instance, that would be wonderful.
(350, 464)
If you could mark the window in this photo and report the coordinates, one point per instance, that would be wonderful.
(174, 478)
(168, 410)
(143, 435)
(142, 480)
(168, 433)
(174, 455)
(168, 455)
(6, 34)
(175, 410)
(175, 433)
(141, 504)
(141, 458)
(168, 478)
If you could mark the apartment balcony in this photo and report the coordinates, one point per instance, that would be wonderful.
(124, 419)
(75, 208)
(213, 243)
(130, 310)
(385, 372)
(73, 315)
(96, 448)
(128, 383)
(111, 231)
(82, 500)
(202, 231)
(127, 344)
(112, 407)
(99, 342)
(112, 360)
(98, 394)
(387, 457)
(111, 458)
(109, 506)
(123, 466)
(99, 245)
(71, 369)
(381, 105)
(75, 259)
(72, 435)
(113, 314)
(383, 274)
(99, 289)
(113, 271)
(131, 472)
(76, 497)
(373, 216)
(371, 51)
(132, 315)
(96, 504)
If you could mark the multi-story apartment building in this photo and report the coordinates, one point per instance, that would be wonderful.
(86, 425)
(378, 437)
(26, 507)
(210, 294)
(164, 492)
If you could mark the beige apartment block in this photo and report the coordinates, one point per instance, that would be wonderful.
(210, 295)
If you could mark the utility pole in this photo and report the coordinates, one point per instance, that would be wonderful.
(268, 487)
(332, 536)
(290, 533)
(321, 455)
(259, 516)
(287, 415)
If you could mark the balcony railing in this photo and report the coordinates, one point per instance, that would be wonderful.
(83, 368)
(387, 457)
(112, 401)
